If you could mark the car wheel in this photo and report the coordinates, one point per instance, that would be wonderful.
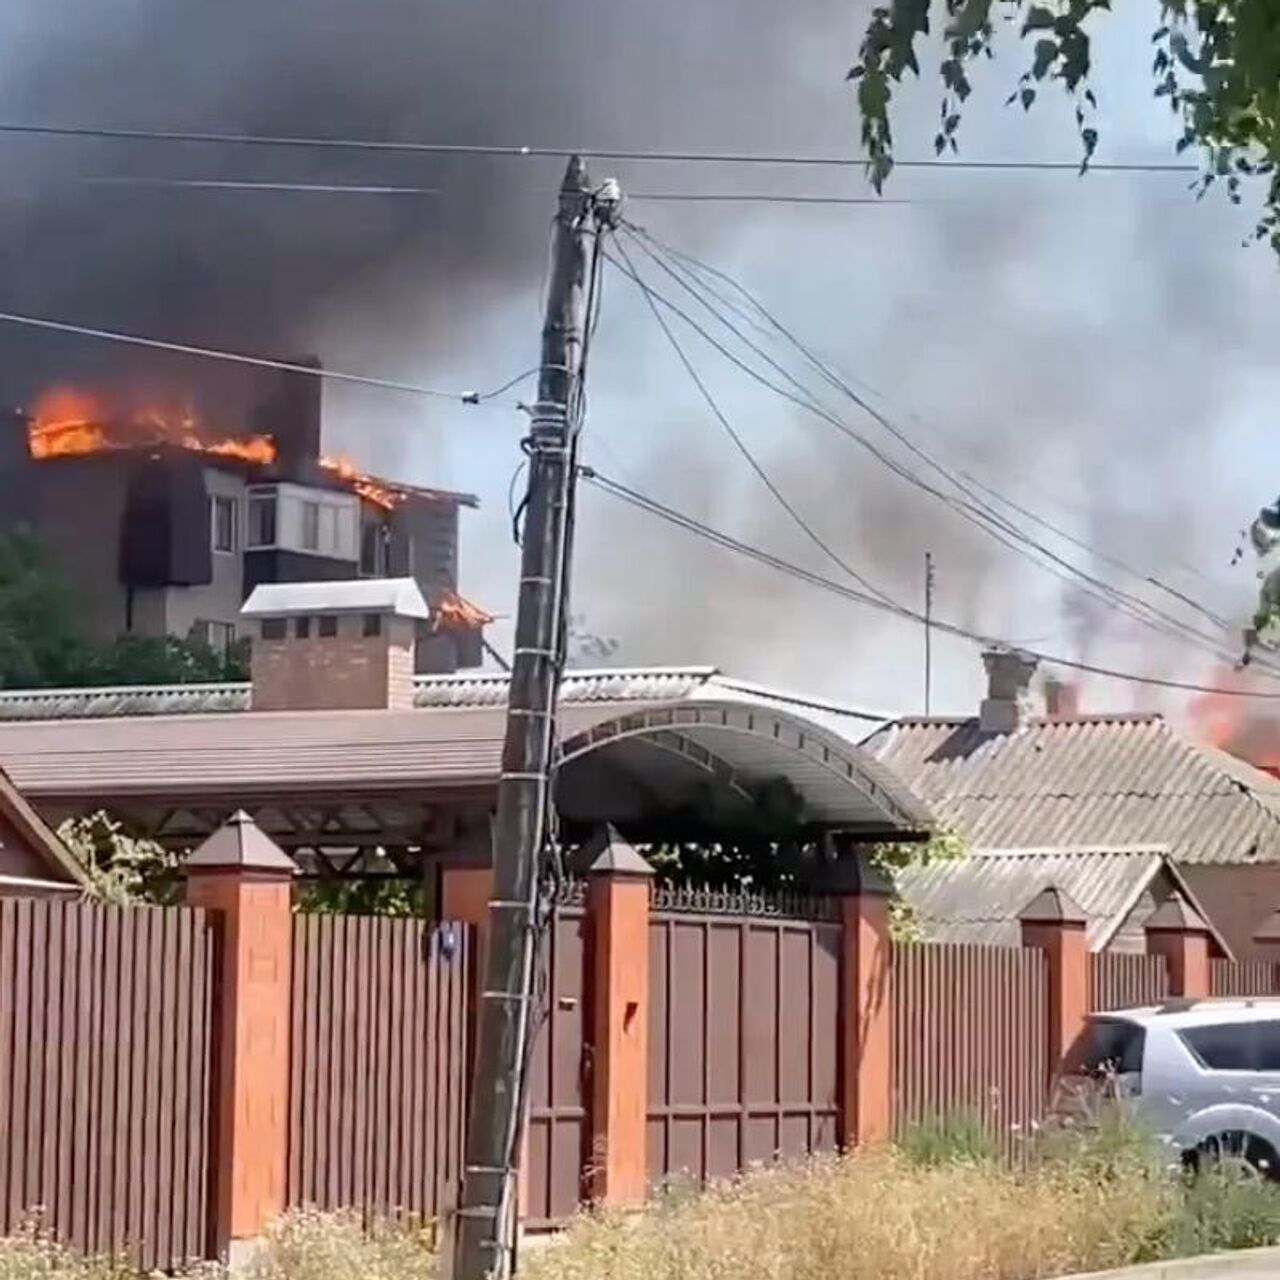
(1235, 1147)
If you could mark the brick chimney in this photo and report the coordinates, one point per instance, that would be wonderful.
(1061, 698)
(330, 646)
(1008, 702)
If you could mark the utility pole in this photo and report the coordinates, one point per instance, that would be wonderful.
(928, 629)
(485, 1235)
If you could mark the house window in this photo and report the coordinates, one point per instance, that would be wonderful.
(372, 625)
(224, 513)
(262, 520)
(302, 627)
(273, 628)
(311, 526)
(328, 626)
(220, 636)
(373, 551)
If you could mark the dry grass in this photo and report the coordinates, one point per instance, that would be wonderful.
(307, 1244)
(876, 1216)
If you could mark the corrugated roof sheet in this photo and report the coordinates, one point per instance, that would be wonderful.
(463, 689)
(978, 899)
(1096, 781)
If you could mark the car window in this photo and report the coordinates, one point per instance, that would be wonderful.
(1225, 1046)
(1107, 1046)
(1268, 1046)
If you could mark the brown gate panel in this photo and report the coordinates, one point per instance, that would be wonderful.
(377, 1098)
(970, 1033)
(1243, 978)
(104, 1083)
(1120, 981)
(743, 1035)
(556, 1153)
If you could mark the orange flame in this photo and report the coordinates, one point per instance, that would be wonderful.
(376, 491)
(452, 610)
(69, 422)
(1236, 724)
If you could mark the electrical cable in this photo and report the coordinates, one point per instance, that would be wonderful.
(741, 445)
(726, 541)
(19, 129)
(259, 362)
(841, 385)
(978, 513)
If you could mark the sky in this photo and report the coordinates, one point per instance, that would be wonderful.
(1099, 349)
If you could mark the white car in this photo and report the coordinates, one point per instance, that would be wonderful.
(1203, 1075)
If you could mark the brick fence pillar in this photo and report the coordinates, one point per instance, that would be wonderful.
(1178, 932)
(865, 1091)
(617, 924)
(1054, 924)
(243, 877)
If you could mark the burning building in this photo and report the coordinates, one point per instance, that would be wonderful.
(165, 525)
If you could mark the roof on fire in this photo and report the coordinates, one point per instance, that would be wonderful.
(674, 725)
(1087, 781)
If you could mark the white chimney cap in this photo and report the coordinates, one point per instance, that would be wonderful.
(401, 597)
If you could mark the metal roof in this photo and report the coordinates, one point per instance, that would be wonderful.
(462, 689)
(979, 898)
(1099, 781)
(399, 596)
(705, 729)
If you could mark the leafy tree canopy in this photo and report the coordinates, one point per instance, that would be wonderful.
(1216, 62)
(44, 644)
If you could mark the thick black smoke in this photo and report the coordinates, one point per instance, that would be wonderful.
(1105, 345)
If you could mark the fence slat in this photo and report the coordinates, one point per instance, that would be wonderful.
(1121, 981)
(970, 1030)
(377, 1087)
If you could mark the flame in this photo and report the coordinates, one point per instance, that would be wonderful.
(1238, 725)
(451, 610)
(70, 422)
(376, 491)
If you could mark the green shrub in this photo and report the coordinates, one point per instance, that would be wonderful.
(1226, 1206)
(952, 1137)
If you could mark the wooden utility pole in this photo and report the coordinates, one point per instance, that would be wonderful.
(928, 630)
(486, 1223)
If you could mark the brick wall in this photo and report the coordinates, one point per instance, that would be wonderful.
(348, 671)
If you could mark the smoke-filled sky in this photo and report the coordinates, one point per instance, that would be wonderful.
(1100, 349)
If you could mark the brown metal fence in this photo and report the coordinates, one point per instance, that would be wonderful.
(104, 1085)
(970, 1034)
(555, 1158)
(379, 1056)
(1121, 981)
(1243, 978)
(743, 1032)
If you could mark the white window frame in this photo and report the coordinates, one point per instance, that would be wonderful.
(262, 499)
(310, 525)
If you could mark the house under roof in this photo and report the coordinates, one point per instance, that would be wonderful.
(1009, 779)
(33, 861)
(980, 897)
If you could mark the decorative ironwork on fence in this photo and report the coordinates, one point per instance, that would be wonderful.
(691, 900)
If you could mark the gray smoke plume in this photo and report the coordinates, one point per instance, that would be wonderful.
(1102, 349)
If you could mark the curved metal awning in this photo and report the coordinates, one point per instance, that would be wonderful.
(641, 763)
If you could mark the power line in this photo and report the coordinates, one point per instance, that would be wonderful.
(331, 188)
(260, 362)
(729, 543)
(742, 446)
(235, 184)
(981, 515)
(543, 151)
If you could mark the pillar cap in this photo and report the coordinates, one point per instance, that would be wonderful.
(1176, 915)
(1269, 929)
(1053, 906)
(608, 854)
(241, 845)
